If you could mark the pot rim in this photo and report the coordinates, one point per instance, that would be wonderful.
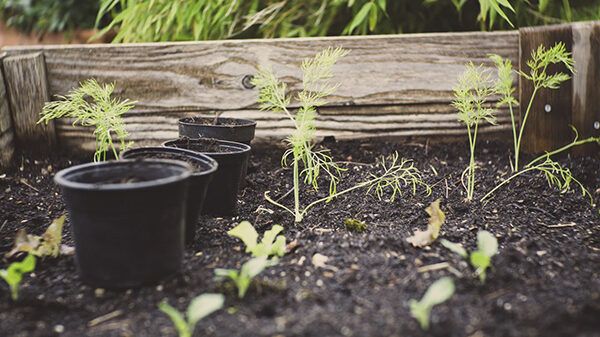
(247, 122)
(214, 165)
(62, 177)
(239, 147)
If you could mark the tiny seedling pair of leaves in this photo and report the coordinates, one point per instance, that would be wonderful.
(439, 292)
(436, 220)
(243, 277)
(13, 275)
(481, 259)
(199, 308)
(271, 244)
(49, 244)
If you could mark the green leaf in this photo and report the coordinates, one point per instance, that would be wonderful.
(487, 243)
(439, 292)
(481, 262)
(203, 306)
(245, 232)
(177, 318)
(14, 274)
(360, 17)
(456, 248)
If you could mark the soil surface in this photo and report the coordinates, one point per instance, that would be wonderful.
(197, 165)
(221, 121)
(204, 145)
(545, 281)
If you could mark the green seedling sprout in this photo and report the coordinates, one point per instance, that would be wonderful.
(92, 105)
(271, 244)
(471, 99)
(538, 64)
(243, 278)
(199, 308)
(13, 275)
(439, 292)
(301, 155)
(481, 259)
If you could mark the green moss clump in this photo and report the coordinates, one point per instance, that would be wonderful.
(355, 225)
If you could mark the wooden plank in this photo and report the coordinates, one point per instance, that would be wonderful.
(27, 88)
(383, 77)
(548, 123)
(7, 144)
(342, 123)
(586, 83)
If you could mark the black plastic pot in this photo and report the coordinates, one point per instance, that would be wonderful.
(221, 197)
(230, 129)
(204, 167)
(127, 219)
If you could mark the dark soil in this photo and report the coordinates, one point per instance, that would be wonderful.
(544, 282)
(204, 145)
(220, 121)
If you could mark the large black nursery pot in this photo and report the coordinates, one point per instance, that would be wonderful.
(221, 197)
(204, 167)
(230, 129)
(127, 219)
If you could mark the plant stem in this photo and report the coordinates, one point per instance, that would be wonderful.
(564, 148)
(514, 131)
(506, 182)
(297, 214)
(522, 127)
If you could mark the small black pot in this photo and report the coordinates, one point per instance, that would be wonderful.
(221, 197)
(204, 168)
(127, 219)
(230, 129)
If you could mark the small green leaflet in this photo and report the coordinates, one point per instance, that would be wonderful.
(14, 274)
(199, 308)
(455, 248)
(271, 243)
(487, 247)
(439, 292)
(243, 278)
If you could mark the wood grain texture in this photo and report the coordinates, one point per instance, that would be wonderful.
(27, 88)
(398, 85)
(586, 83)
(545, 130)
(7, 144)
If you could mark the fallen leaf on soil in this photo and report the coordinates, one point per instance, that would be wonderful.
(436, 220)
(49, 244)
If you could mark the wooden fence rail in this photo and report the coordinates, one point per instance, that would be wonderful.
(391, 86)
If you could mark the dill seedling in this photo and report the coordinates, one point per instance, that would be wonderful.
(92, 105)
(305, 160)
(471, 95)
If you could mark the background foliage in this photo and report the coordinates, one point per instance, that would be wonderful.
(180, 20)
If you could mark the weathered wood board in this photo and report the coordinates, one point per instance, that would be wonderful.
(398, 85)
(7, 143)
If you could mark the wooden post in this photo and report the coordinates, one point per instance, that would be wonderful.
(27, 88)
(575, 102)
(586, 83)
(7, 144)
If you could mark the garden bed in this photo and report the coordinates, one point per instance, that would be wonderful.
(544, 282)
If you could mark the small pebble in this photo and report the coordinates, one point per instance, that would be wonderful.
(99, 292)
(59, 328)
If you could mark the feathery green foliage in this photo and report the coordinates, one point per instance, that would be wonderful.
(200, 307)
(92, 105)
(471, 99)
(395, 174)
(13, 275)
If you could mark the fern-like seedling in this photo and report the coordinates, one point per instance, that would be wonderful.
(92, 105)
(471, 99)
(301, 155)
